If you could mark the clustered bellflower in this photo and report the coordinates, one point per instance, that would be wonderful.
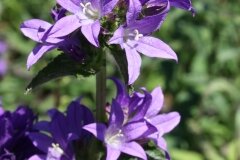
(85, 14)
(14, 130)
(134, 118)
(85, 29)
(131, 24)
(37, 30)
(64, 130)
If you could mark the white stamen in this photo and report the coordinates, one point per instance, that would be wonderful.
(57, 148)
(147, 119)
(54, 152)
(120, 133)
(85, 6)
(115, 139)
(89, 11)
(137, 35)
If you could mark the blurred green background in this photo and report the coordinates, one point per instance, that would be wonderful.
(204, 86)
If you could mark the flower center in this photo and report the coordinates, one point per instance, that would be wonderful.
(54, 152)
(89, 11)
(137, 35)
(114, 140)
(147, 119)
(133, 34)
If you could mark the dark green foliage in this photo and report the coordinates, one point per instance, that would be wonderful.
(61, 66)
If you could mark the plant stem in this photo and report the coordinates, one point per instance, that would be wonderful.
(100, 105)
(101, 91)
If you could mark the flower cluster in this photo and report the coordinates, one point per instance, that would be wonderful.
(14, 130)
(133, 121)
(103, 23)
(65, 131)
(134, 118)
(83, 30)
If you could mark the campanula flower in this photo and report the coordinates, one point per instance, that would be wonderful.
(38, 30)
(14, 129)
(134, 39)
(85, 14)
(63, 131)
(159, 4)
(134, 118)
(115, 136)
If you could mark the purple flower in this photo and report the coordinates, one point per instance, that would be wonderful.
(153, 8)
(134, 38)
(14, 129)
(149, 112)
(134, 118)
(183, 4)
(64, 130)
(158, 4)
(85, 14)
(114, 136)
(38, 30)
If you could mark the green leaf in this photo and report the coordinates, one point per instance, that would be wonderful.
(61, 66)
(155, 154)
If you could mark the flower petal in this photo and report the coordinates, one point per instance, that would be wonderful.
(91, 32)
(156, 7)
(134, 149)
(69, 5)
(112, 154)
(157, 102)
(134, 8)
(134, 103)
(34, 28)
(43, 126)
(116, 114)
(77, 116)
(153, 47)
(36, 157)
(108, 6)
(122, 96)
(117, 37)
(134, 130)
(41, 141)
(166, 122)
(59, 129)
(134, 63)
(141, 110)
(37, 53)
(6, 131)
(96, 4)
(97, 129)
(65, 26)
(147, 25)
(183, 4)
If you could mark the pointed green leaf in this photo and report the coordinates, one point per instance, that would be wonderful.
(61, 66)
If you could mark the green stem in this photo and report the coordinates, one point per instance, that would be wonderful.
(101, 91)
(100, 105)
